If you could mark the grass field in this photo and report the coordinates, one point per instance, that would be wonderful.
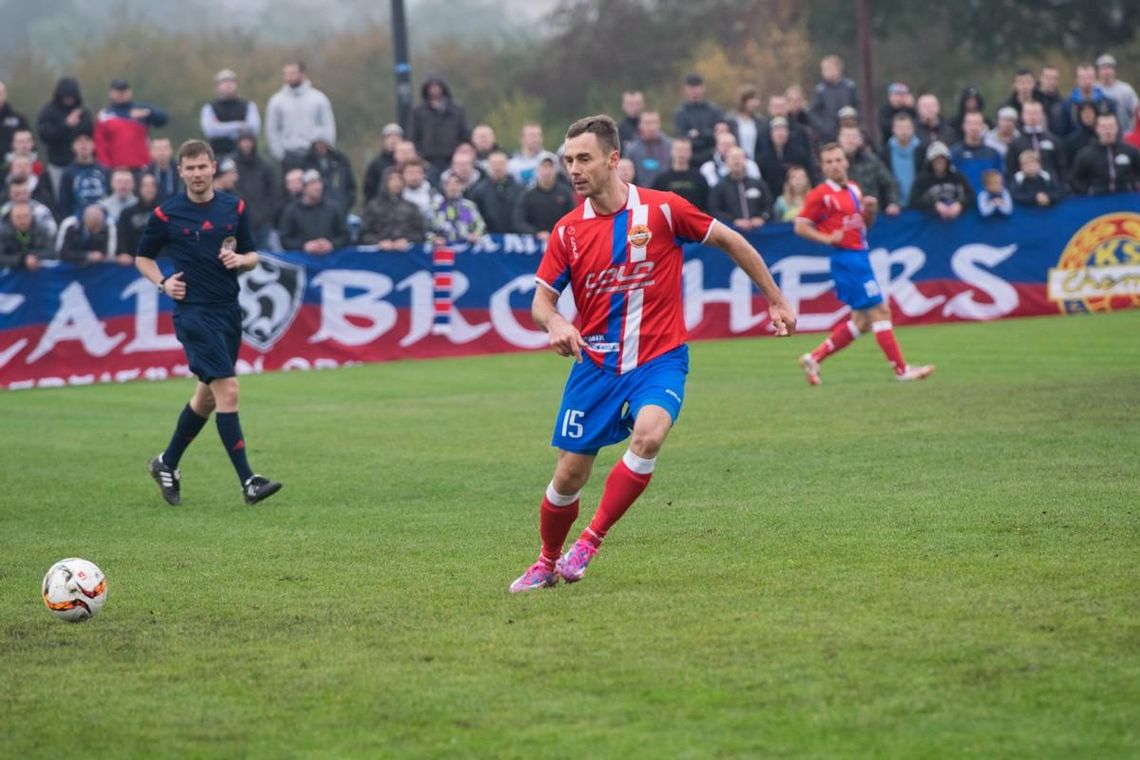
(938, 569)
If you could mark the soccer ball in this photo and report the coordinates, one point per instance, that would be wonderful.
(74, 589)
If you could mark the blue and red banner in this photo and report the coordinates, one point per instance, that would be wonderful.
(65, 325)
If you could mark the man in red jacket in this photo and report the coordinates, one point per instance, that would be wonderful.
(121, 129)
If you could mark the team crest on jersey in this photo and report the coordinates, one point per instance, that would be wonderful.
(271, 295)
(1099, 270)
(640, 235)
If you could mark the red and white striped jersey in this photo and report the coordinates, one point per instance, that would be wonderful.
(831, 206)
(625, 272)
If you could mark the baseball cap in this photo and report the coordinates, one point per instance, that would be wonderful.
(937, 150)
(310, 175)
(694, 79)
(1007, 112)
(898, 88)
(1106, 60)
(777, 121)
(392, 129)
(547, 156)
(120, 84)
(225, 74)
(848, 112)
(226, 165)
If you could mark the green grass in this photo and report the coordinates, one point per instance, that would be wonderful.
(937, 569)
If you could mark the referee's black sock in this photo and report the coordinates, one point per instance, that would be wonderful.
(229, 428)
(189, 425)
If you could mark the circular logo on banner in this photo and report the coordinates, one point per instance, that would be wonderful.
(639, 236)
(1099, 269)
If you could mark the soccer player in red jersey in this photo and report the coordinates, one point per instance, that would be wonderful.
(836, 213)
(620, 252)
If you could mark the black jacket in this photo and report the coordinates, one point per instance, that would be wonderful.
(374, 172)
(14, 246)
(696, 121)
(496, 202)
(258, 186)
(774, 165)
(725, 201)
(1048, 148)
(537, 209)
(929, 189)
(132, 222)
(336, 171)
(689, 184)
(437, 132)
(1104, 169)
(301, 223)
(388, 218)
(1024, 189)
(55, 134)
(10, 121)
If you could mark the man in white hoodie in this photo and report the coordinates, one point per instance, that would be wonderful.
(297, 115)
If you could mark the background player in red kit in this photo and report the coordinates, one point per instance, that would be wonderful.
(836, 213)
(620, 253)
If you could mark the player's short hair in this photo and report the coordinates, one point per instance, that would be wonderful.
(830, 146)
(195, 148)
(902, 116)
(602, 127)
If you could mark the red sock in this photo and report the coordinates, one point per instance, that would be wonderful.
(626, 481)
(886, 337)
(555, 522)
(840, 337)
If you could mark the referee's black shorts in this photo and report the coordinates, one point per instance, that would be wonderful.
(211, 336)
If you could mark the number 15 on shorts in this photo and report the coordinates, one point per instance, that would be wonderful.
(572, 423)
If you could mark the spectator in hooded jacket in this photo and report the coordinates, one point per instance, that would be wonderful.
(1084, 133)
(439, 124)
(390, 137)
(10, 120)
(696, 119)
(1035, 136)
(122, 129)
(297, 116)
(1117, 91)
(899, 100)
(257, 185)
(1032, 185)
(311, 223)
(929, 126)
(545, 202)
(904, 155)
(832, 92)
(87, 239)
(1108, 166)
(391, 222)
(940, 189)
(336, 173)
(454, 218)
(496, 195)
(60, 121)
(972, 156)
(24, 242)
(970, 101)
(84, 181)
(866, 170)
(227, 116)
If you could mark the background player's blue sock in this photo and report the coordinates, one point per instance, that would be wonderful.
(189, 425)
(229, 428)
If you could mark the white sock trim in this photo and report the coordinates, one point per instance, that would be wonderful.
(882, 325)
(637, 464)
(851, 328)
(560, 500)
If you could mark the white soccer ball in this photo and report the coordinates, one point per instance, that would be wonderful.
(74, 589)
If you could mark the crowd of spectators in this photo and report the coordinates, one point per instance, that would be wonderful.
(79, 185)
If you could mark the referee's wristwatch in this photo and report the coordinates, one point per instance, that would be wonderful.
(162, 285)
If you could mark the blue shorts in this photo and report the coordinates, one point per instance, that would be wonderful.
(211, 336)
(599, 407)
(855, 282)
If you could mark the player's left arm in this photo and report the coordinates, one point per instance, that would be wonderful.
(748, 259)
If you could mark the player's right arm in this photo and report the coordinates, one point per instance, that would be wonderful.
(553, 275)
(150, 245)
(812, 214)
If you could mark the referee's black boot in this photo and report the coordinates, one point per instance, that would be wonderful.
(258, 488)
(168, 478)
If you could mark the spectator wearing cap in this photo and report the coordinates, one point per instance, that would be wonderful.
(696, 119)
(632, 104)
(650, 150)
(258, 185)
(439, 124)
(1024, 91)
(60, 121)
(1086, 90)
(1108, 165)
(163, 168)
(483, 141)
(682, 177)
(10, 120)
(930, 127)
(904, 155)
(778, 153)
(739, 200)
(498, 192)
(390, 222)
(1004, 132)
(800, 134)
(336, 173)
(940, 189)
(972, 156)
(122, 129)
(847, 116)
(1031, 185)
(524, 163)
(390, 137)
(85, 180)
(1035, 136)
(227, 115)
(297, 115)
(868, 172)
(226, 177)
(310, 223)
(1119, 92)
(899, 100)
(832, 92)
(543, 203)
(122, 195)
(994, 198)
